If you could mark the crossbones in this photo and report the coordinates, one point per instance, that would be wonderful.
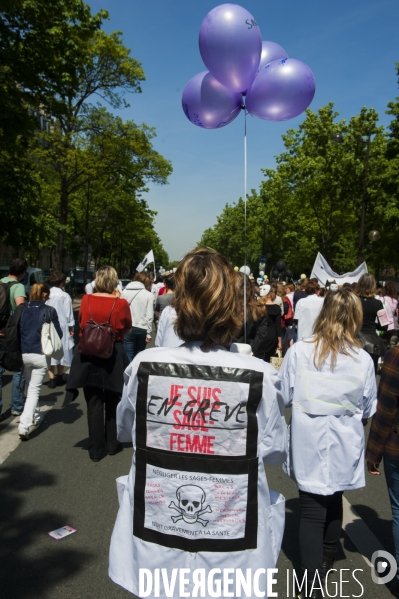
(191, 499)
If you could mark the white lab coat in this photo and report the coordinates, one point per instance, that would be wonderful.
(141, 305)
(236, 522)
(166, 335)
(306, 313)
(326, 438)
(62, 303)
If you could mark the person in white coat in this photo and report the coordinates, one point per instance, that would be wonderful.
(61, 301)
(307, 310)
(166, 334)
(329, 381)
(196, 505)
(141, 305)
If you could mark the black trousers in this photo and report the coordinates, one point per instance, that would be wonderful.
(102, 435)
(319, 529)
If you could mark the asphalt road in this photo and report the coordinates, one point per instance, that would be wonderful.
(49, 482)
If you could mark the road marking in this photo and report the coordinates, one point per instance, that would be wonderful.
(359, 533)
(9, 438)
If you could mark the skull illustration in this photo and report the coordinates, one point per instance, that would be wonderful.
(191, 499)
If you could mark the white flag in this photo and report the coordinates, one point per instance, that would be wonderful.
(323, 272)
(146, 260)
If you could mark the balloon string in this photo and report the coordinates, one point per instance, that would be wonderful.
(245, 225)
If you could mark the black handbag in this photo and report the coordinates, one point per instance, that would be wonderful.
(371, 343)
(97, 339)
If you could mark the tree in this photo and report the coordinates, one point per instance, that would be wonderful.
(109, 160)
(322, 196)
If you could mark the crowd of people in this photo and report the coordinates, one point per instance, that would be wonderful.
(190, 395)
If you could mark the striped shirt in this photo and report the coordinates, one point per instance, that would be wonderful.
(382, 440)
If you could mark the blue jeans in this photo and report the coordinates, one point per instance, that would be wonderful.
(17, 395)
(135, 343)
(391, 468)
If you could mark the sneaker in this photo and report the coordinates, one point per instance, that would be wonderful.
(23, 435)
(38, 418)
(16, 413)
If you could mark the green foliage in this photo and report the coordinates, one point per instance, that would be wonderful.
(312, 201)
(55, 59)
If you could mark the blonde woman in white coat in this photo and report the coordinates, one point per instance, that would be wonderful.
(62, 303)
(329, 381)
(202, 422)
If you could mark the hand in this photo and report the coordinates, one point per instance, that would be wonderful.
(148, 339)
(279, 347)
(373, 469)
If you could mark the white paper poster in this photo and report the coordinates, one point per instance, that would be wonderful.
(197, 416)
(195, 505)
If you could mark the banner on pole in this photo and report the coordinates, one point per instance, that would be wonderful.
(146, 260)
(323, 272)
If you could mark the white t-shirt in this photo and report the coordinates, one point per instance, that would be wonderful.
(306, 312)
(326, 452)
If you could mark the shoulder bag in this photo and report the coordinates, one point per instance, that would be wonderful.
(51, 343)
(97, 339)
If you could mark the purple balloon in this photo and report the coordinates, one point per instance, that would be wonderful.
(271, 51)
(230, 44)
(208, 104)
(281, 90)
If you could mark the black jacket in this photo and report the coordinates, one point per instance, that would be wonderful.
(256, 335)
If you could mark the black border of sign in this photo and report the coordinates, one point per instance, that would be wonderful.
(200, 465)
(208, 373)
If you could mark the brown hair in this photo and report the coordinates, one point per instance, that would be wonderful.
(37, 291)
(253, 307)
(280, 291)
(311, 287)
(143, 277)
(169, 281)
(57, 278)
(290, 287)
(303, 283)
(390, 289)
(206, 299)
(366, 286)
(337, 326)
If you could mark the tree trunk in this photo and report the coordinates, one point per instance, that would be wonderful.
(59, 248)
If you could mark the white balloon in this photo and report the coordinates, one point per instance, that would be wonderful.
(246, 270)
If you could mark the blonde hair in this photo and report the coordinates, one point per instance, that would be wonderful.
(337, 327)
(206, 299)
(106, 280)
(366, 286)
(37, 291)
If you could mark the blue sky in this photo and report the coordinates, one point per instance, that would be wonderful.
(350, 45)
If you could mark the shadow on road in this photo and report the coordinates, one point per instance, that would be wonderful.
(31, 562)
(381, 528)
(57, 415)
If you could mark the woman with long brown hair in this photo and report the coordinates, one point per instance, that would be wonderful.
(202, 421)
(255, 331)
(329, 381)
